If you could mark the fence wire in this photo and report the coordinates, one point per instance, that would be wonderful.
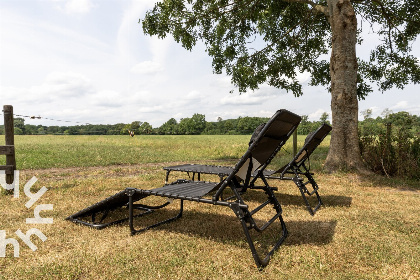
(51, 119)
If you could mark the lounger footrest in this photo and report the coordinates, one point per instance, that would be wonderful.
(115, 201)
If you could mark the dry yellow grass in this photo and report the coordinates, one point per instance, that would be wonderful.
(366, 230)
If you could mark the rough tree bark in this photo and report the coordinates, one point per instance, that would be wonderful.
(344, 150)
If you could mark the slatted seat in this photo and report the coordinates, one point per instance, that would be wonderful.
(188, 190)
(227, 192)
(198, 169)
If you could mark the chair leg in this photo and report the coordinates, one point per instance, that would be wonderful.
(263, 262)
(248, 223)
(131, 208)
(167, 176)
(303, 191)
(101, 224)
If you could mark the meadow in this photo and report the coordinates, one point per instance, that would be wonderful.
(368, 227)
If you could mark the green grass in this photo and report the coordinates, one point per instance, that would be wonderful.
(368, 227)
(50, 151)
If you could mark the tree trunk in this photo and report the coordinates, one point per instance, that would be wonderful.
(344, 153)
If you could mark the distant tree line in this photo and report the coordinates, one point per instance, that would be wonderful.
(20, 128)
(196, 125)
(389, 144)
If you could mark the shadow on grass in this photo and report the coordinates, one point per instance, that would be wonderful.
(226, 228)
(287, 199)
(310, 232)
(327, 200)
(221, 225)
(336, 200)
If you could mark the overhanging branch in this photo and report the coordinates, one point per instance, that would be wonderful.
(317, 7)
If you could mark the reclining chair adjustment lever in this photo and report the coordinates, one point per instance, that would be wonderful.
(130, 191)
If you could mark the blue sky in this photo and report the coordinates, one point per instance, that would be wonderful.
(88, 61)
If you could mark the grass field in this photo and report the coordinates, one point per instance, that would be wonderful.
(368, 228)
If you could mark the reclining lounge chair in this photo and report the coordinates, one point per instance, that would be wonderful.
(299, 166)
(259, 154)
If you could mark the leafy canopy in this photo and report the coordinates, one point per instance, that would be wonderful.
(270, 41)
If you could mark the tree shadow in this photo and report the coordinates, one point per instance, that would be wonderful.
(398, 183)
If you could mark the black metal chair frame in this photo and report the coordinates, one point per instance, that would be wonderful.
(297, 170)
(198, 191)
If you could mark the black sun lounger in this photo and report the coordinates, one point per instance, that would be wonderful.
(299, 166)
(259, 154)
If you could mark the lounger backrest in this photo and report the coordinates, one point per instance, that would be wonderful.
(311, 143)
(268, 141)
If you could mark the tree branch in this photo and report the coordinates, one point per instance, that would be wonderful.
(269, 46)
(389, 18)
(318, 8)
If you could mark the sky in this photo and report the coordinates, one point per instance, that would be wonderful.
(88, 61)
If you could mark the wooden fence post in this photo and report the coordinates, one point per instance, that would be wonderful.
(9, 148)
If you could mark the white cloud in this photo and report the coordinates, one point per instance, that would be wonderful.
(33, 46)
(401, 105)
(269, 91)
(128, 39)
(159, 48)
(194, 95)
(107, 98)
(410, 107)
(152, 109)
(248, 98)
(66, 85)
(75, 6)
(233, 114)
(376, 110)
(228, 114)
(317, 115)
(303, 77)
(57, 86)
(221, 82)
(147, 67)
